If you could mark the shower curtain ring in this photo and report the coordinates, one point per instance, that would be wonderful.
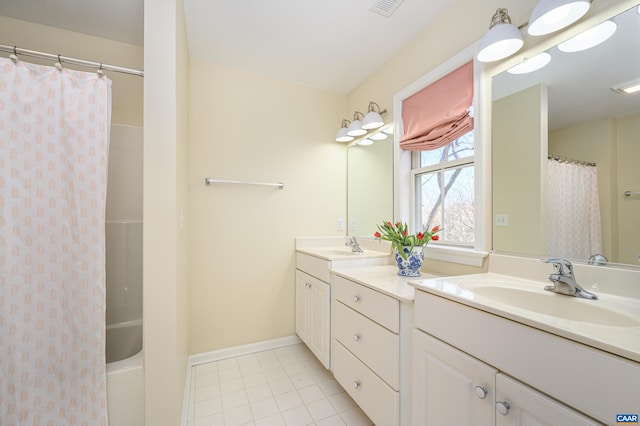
(100, 72)
(59, 64)
(14, 56)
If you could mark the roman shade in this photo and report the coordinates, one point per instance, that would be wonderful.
(439, 114)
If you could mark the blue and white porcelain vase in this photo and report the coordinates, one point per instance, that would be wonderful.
(411, 266)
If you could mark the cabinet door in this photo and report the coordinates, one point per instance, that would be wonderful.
(313, 301)
(303, 298)
(527, 406)
(319, 336)
(449, 386)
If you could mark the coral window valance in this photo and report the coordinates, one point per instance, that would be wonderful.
(439, 114)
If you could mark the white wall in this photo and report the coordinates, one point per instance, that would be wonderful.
(166, 283)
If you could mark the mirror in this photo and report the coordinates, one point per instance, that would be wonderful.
(369, 185)
(568, 109)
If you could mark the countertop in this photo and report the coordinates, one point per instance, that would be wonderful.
(383, 278)
(622, 340)
(340, 253)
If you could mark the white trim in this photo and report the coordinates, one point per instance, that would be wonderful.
(461, 255)
(234, 351)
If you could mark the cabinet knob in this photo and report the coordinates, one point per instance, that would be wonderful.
(503, 407)
(481, 392)
(357, 337)
(307, 285)
(356, 384)
(356, 299)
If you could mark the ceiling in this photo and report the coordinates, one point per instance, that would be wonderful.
(332, 45)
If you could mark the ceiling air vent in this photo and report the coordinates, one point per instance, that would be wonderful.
(385, 7)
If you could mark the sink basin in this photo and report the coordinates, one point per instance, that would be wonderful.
(554, 305)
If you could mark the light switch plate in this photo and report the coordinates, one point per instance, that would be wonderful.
(502, 219)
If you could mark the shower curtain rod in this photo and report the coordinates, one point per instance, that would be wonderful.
(570, 161)
(62, 59)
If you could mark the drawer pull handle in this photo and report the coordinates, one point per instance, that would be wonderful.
(357, 337)
(356, 384)
(480, 392)
(503, 407)
(356, 299)
(307, 285)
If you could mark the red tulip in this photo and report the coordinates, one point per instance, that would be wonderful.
(377, 234)
(420, 235)
(435, 238)
(435, 229)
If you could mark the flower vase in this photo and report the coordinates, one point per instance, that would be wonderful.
(411, 266)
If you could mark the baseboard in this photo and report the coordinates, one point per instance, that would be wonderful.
(234, 351)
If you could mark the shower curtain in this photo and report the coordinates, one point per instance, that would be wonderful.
(574, 211)
(54, 136)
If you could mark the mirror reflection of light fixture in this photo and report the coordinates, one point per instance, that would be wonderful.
(549, 16)
(502, 40)
(373, 119)
(590, 38)
(379, 136)
(365, 142)
(342, 133)
(355, 128)
(627, 88)
(531, 64)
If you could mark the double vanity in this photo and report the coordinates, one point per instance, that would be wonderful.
(492, 348)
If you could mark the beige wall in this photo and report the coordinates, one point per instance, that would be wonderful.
(165, 194)
(126, 89)
(519, 174)
(241, 242)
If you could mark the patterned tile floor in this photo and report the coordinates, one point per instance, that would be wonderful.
(282, 387)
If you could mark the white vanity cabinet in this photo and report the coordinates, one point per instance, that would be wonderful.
(475, 368)
(313, 293)
(371, 345)
(452, 387)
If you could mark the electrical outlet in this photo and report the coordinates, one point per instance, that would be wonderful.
(340, 224)
(352, 224)
(502, 219)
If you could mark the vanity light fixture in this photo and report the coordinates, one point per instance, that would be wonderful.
(355, 128)
(549, 16)
(373, 119)
(590, 38)
(502, 40)
(531, 64)
(342, 135)
(628, 88)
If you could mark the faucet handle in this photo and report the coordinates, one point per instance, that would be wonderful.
(560, 264)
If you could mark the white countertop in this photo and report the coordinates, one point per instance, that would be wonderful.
(384, 279)
(340, 253)
(622, 340)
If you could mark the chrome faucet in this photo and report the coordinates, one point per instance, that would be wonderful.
(564, 281)
(353, 243)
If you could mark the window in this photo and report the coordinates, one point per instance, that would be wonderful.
(444, 190)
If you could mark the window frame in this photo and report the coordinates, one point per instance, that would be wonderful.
(404, 180)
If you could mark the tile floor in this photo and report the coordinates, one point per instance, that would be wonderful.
(286, 386)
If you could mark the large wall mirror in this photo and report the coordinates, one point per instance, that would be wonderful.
(369, 184)
(569, 110)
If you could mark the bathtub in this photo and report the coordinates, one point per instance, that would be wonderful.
(125, 374)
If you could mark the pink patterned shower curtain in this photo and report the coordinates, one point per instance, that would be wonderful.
(574, 230)
(54, 140)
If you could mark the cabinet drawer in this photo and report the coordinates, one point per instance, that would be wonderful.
(373, 344)
(374, 396)
(379, 307)
(315, 266)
